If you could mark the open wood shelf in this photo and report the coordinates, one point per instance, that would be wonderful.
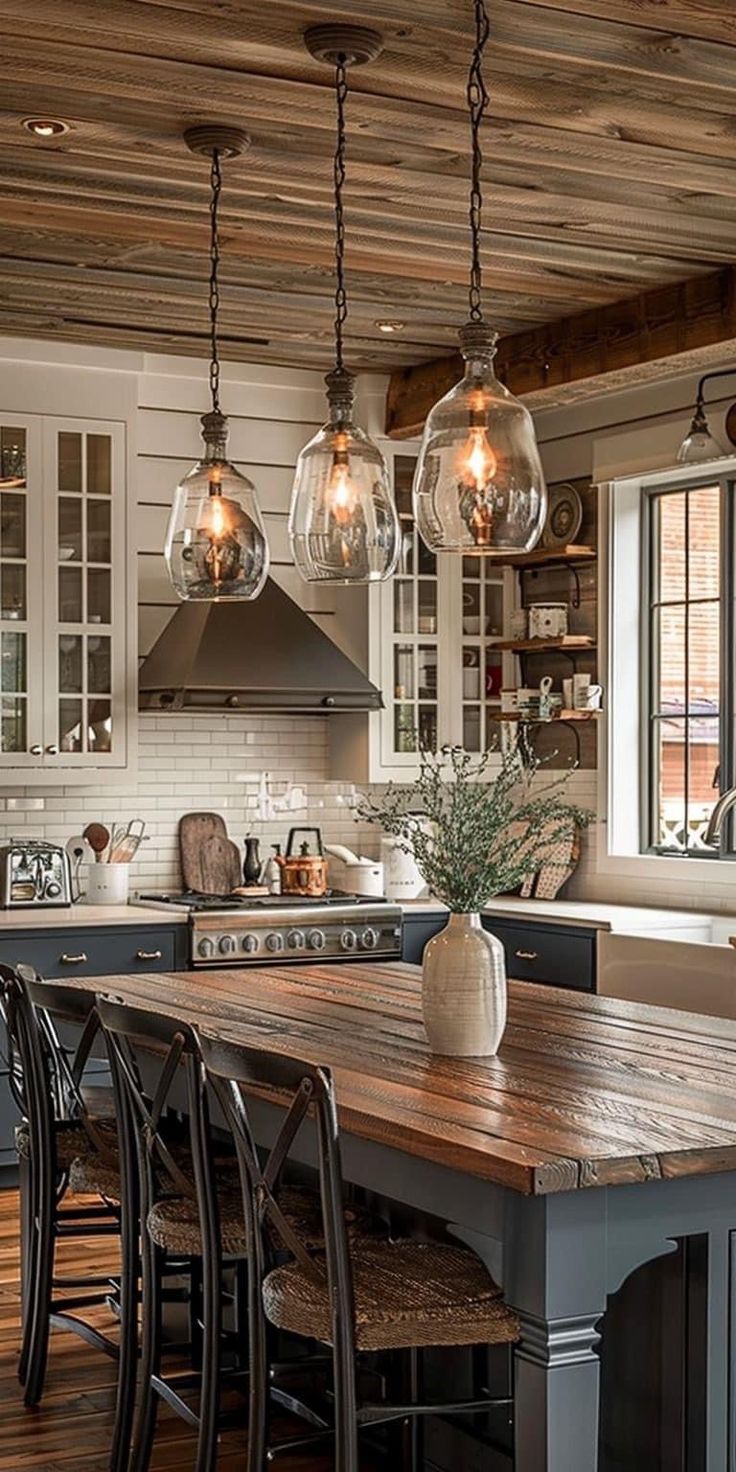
(530, 646)
(557, 715)
(544, 556)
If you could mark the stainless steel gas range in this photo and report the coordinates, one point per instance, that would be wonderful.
(231, 930)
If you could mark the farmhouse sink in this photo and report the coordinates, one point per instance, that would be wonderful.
(697, 974)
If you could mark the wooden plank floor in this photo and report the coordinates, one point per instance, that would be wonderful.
(71, 1427)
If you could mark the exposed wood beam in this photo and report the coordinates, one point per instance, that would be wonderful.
(628, 342)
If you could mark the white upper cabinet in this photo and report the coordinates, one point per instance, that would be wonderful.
(431, 632)
(65, 616)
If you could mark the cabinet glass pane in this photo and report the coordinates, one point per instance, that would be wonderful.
(99, 664)
(426, 560)
(12, 524)
(404, 728)
(99, 725)
(471, 727)
(70, 529)
(494, 609)
(12, 590)
(70, 595)
(403, 607)
(13, 664)
(404, 672)
(471, 673)
(428, 727)
(70, 724)
(98, 464)
(494, 676)
(427, 600)
(70, 663)
(427, 672)
(471, 568)
(98, 531)
(12, 456)
(405, 566)
(70, 462)
(403, 480)
(13, 723)
(471, 608)
(98, 596)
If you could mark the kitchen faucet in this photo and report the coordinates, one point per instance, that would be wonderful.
(726, 801)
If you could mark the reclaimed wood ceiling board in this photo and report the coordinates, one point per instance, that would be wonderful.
(610, 169)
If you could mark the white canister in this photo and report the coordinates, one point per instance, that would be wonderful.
(548, 620)
(402, 880)
(107, 884)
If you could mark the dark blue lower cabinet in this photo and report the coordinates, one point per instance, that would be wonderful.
(104, 950)
(552, 955)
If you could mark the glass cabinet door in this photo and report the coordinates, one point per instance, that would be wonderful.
(481, 622)
(20, 593)
(84, 629)
(411, 651)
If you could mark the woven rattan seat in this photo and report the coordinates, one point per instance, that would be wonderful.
(407, 1294)
(174, 1221)
(70, 1139)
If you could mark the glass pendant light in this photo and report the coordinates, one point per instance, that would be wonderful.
(343, 526)
(699, 444)
(479, 485)
(216, 548)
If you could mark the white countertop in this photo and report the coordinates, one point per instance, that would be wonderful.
(589, 914)
(81, 916)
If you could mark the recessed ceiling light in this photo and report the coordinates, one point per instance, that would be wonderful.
(45, 127)
(387, 325)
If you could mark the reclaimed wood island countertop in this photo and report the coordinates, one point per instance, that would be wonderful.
(602, 1133)
(585, 1091)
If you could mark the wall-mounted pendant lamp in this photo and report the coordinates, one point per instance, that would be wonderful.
(699, 444)
(343, 526)
(216, 546)
(479, 485)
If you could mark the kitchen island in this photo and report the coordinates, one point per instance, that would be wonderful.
(602, 1132)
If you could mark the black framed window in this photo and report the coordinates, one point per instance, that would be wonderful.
(688, 663)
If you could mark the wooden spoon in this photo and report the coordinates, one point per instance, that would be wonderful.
(98, 837)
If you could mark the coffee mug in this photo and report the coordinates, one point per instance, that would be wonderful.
(588, 697)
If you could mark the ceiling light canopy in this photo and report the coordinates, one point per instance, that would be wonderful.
(699, 444)
(343, 526)
(479, 485)
(216, 548)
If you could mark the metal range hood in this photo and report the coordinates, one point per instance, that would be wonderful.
(267, 655)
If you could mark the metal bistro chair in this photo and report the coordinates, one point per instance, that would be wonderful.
(57, 1134)
(358, 1294)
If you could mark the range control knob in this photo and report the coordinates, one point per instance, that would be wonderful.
(369, 938)
(250, 943)
(316, 940)
(274, 941)
(295, 940)
(348, 940)
(206, 947)
(226, 945)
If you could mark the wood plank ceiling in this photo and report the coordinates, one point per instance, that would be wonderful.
(610, 168)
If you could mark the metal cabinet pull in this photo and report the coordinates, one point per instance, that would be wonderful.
(527, 955)
(52, 750)
(36, 750)
(148, 955)
(73, 960)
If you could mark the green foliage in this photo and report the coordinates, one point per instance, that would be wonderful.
(473, 836)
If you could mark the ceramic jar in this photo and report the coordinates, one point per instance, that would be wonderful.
(464, 989)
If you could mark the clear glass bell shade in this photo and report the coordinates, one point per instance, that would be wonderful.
(216, 546)
(343, 526)
(699, 444)
(479, 485)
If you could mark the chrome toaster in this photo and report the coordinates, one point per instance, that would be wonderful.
(33, 875)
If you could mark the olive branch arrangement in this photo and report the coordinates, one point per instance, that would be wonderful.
(473, 835)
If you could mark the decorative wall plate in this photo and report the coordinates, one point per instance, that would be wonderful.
(564, 516)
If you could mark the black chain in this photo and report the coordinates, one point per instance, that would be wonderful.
(216, 186)
(477, 95)
(341, 300)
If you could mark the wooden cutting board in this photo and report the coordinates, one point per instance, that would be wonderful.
(210, 862)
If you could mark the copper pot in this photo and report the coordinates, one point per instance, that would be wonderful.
(303, 873)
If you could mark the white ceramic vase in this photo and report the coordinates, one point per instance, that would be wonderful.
(464, 989)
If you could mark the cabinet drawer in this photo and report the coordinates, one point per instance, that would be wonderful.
(554, 955)
(97, 951)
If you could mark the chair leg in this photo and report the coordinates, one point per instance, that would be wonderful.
(195, 1311)
(128, 1361)
(209, 1405)
(27, 1260)
(346, 1411)
(258, 1384)
(39, 1326)
(151, 1337)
